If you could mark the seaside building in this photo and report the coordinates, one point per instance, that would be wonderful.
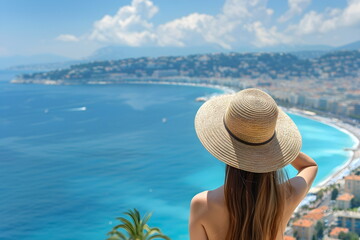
(352, 185)
(336, 231)
(321, 103)
(301, 100)
(311, 101)
(293, 99)
(333, 106)
(165, 73)
(304, 229)
(344, 201)
(349, 219)
(341, 109)
(316, 214)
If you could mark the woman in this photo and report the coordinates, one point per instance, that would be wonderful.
(255, 139)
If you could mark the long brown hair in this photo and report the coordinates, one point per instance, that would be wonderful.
(255, 202)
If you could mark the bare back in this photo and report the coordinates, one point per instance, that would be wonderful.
(209, 217)
(215, 219)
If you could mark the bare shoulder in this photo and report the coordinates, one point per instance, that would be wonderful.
(198, 206)
(208, 201)
(198, 211)
(208, 209)
(199, 201)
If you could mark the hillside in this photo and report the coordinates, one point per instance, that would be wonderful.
(339, 64)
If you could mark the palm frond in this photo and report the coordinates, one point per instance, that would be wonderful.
(145, 219)
(119, 226)
(128, 226)
(154, 230)
(150, 232)
(135, 216)
(136, 228)
(116, 235)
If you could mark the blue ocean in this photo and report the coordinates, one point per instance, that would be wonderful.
(73, 158)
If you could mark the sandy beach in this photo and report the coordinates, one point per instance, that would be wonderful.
(353, 161)
(226, 90)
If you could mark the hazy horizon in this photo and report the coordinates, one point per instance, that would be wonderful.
(75, 30)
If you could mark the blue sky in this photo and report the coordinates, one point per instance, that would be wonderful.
(75, 28)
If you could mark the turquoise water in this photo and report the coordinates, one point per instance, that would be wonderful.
(73, 158)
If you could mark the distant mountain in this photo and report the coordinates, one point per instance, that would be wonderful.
(223, 65)
(6, 62)
(321, 50)
(297, 48)
(123, 52)
(46, 66)
(47, 62)
(350, 46)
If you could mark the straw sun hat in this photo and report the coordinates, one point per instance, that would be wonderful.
(248, 131)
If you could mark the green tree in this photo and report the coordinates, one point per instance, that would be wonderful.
(296, 234)
(319, 194)
(334, 193)
(355, 202)
(319, 228)
(305, 207)
(348, 236)
(135, 228)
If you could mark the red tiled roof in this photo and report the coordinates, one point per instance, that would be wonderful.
(321, 209)
(289, 238)
(303, 223)
(314, 216)
(353, 177)
(337, 230)
(345, 197)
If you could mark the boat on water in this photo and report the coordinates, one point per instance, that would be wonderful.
(349, 149)
(201, 99)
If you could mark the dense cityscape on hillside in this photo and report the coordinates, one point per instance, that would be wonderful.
(332, 213)
(329, 83)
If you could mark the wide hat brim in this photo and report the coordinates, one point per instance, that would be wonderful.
(281, 150)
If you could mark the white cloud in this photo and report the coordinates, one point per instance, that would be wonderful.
(267, 37)
(129, 26)
(67, 38)
(270, 11)
(239, 23)
(182, 31)
(330, 20)
(132, 25)
(296, 7)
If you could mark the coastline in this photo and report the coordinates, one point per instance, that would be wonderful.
(338, 173)
(226, 90)
(353, 160)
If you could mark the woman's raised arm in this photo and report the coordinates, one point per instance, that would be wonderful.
(307, 169)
